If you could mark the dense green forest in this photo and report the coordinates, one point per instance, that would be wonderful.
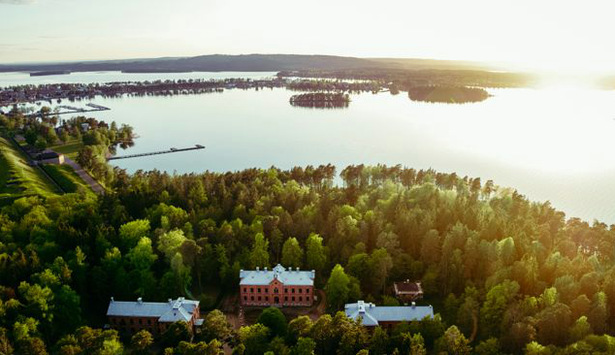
(505, 275)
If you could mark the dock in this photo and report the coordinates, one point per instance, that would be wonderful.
(72, 110)
(172, 150)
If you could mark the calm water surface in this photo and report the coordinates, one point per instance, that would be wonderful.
(21, 78)
(552, 144)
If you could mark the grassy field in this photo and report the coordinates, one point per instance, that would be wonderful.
(19, 178)
(66, 177)
(70, 149)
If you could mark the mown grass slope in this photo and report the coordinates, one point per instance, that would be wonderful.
(19, 178)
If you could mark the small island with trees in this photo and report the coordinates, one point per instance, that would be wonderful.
(447, 94)
(321, 100)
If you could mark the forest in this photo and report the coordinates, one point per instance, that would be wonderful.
(447, 94)
(320, 100)
(505, 275)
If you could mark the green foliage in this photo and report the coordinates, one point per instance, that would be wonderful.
(132, 232)
(255, 338)
(141, 341)
(504, 271)
(175, 333)
(292, 253)
(274, 320)
(216, 326)
(454, 342)
(260, 251)
(338, 288)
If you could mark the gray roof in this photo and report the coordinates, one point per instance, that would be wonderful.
(286, 276)
(180, 309)
(371, 314)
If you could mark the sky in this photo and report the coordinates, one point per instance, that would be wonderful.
(564, 35)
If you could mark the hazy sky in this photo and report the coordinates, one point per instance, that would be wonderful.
(540, 34)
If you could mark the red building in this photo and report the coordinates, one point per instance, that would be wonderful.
(279, 287)
(155, 317)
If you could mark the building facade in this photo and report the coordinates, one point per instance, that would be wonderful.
(155, 317)
(386, 317)
(279, 287)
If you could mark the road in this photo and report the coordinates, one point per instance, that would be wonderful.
(94, 185)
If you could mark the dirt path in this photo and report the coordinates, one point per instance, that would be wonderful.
(94, 185)
(321, 308)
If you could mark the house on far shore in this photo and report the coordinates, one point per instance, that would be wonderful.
(386, 317)
(50, 157)
(278, 287)
(155, 317)
(408, 291)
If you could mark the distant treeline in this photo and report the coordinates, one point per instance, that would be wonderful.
(76, 91)
(447, 94)
(405, 79)
(320, 100)
(334, 85)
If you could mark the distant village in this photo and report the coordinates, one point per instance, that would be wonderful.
(78, 91)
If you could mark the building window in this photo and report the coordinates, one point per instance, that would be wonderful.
(300, 299)
(149, 321)
(140, 321)
(259, 298)
(275, 290)
(266, 290)
(259, 290)
(286, 298)
(307, 291)
(132, 321)
(252, 298)
(245, 289)
(251, 289)
(293, 298)
(267, 298)
(300, 290)
(292, 290)
(307, 298)
(245, 298)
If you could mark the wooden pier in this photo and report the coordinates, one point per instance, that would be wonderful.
(72, 110)
(172, 150)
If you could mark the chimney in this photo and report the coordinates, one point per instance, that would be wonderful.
(112, 300)
(170, 301)
(413, 304)
(265, 268)
(258, 268)
(139, 300)
(361, 306)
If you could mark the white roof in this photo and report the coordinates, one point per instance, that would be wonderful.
(371, 314)
(286, 276)
(180, 309)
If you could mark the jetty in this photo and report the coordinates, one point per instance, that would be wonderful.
(71, 110)
(171, 150)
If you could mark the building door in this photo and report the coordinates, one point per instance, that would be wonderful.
(276, 300)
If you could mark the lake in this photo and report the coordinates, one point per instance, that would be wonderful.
(550, 144)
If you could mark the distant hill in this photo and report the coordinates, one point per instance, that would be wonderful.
(249, 62)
